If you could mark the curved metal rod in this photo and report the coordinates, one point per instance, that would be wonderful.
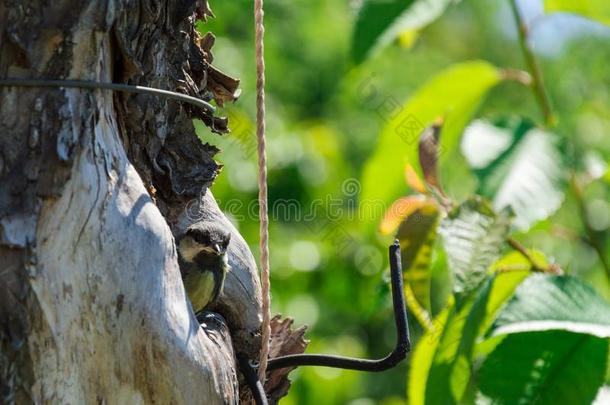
(84, 84)
(251, 376)
(403, 344)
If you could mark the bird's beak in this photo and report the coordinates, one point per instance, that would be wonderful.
(218, 249)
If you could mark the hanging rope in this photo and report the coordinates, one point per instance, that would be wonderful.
(262, 185)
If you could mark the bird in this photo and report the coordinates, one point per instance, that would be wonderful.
(202, 256)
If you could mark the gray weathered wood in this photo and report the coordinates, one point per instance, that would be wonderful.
(92, 187)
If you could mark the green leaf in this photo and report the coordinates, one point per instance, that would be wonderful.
(379, 22)
(440, 367)
(473, 236)
(545, 302)
(598, 10)
(550, 367)
(518, 166)
(502, 289)
(517, 269)
(556, 349)
(422, 359)
(417, 234)
(454, 94)
(603, 395)
(450, 370)
(515, 262)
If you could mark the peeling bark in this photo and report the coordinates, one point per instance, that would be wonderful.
(284, 342)
(93, 188)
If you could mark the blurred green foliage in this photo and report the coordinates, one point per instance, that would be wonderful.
(325, 119)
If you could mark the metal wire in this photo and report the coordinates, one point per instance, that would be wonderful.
(84, 84)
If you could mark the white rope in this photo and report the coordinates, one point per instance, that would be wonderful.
(262, 186)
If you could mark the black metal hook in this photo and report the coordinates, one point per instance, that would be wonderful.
(251, 376)
(403, 343)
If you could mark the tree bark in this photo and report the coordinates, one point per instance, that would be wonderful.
(94, 186)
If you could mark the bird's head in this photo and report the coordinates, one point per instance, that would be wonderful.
(205, 238)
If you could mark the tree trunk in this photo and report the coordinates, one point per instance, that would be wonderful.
(93, 187)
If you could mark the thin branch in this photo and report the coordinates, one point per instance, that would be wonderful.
(566, 233)
(543, 100)
(552, 268)
(537, 84)
(517, 75)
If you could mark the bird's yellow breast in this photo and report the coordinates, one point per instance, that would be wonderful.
(200, 288)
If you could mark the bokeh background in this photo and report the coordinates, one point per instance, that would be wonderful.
(329, 267)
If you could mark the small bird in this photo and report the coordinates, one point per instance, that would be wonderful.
(202, 256)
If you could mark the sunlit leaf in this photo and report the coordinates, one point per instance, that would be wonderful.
(502, 289)
(408, 38)
(413, 180)
(379, 22)
(454, 94)
(598, 10)
(422, 359)
(518, 166)
(546, 302)
(401, 209)
(515, 262)
(550, 367)
(446, 353)
(417, 234)
(450, 370)
(473, 236)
